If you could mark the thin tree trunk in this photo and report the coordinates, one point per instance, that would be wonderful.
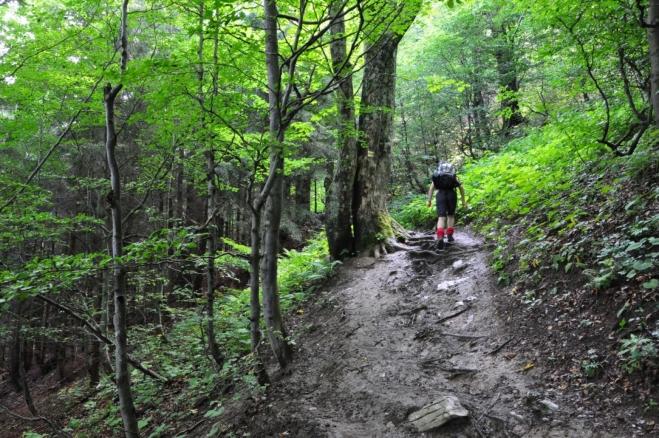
(255, 307)
(26, 388)
(41, 345)
(272, 312)
(653, 43)
(93, 347)
(339, 199)
(15, 358)
(210, 210)
(105, 319)
(122, 372)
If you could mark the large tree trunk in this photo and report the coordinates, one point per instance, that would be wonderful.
(339, 199)
(122, 372)
(653, 43)
(272, 312)
(376, 124)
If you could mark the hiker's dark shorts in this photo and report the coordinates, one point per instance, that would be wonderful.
(446, 202)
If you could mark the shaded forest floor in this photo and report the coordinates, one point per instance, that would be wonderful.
(386, 336)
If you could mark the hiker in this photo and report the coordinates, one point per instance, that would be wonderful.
(444, 180)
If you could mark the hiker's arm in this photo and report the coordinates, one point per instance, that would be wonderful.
(462, 194)
(430, 190)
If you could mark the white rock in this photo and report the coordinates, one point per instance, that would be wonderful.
(437, 413)
(549, 405)
(518, 417)
(459, 265)
(447, 285)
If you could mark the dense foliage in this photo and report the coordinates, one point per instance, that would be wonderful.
(567, 190)
(546, 107)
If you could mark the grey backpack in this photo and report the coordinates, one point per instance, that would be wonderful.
(444, 177)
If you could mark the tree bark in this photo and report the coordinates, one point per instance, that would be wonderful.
(210, 210)
(653, 43)
(110, 93)
(508, 80)
(303, 194)
(105, 318)
(371, 217)
(26, 388)
(339, 199)
(15, 359)
(272, 312)
(255, 306)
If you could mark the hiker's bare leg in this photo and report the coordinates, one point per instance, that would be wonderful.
(450, 221)
(440, 222)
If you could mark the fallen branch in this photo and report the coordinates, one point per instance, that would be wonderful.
(456, 335)
(44, 419)
(101, 337)
(417, 309)
(387, 277)
(190, 429)
(457, 371)
(423, 253)
(446, 318)
(351, 332)
(500, 347)
(422, 238)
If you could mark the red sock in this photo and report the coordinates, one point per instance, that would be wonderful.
(440, 232)
(449, 231)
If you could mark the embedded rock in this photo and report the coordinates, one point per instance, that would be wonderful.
(438, 413)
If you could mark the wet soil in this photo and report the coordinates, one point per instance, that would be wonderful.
(383, 338)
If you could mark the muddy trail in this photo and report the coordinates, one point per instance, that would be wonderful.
(388, 336)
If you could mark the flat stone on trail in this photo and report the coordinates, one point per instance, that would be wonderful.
(446, 285)
(438, 413)
(459, 265)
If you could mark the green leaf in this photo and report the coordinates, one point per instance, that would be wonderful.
(635, 245)
(214, 412)
(143, 423)
(651, 284)
(643, 265)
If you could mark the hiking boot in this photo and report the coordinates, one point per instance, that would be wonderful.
(439, 244)
(450, 238)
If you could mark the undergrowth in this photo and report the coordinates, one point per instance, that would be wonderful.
(565, 217)
(564, 222)
(182, 357)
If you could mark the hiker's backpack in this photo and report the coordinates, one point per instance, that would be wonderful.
(444, 177)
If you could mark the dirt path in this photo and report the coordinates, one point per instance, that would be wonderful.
(373, 347)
